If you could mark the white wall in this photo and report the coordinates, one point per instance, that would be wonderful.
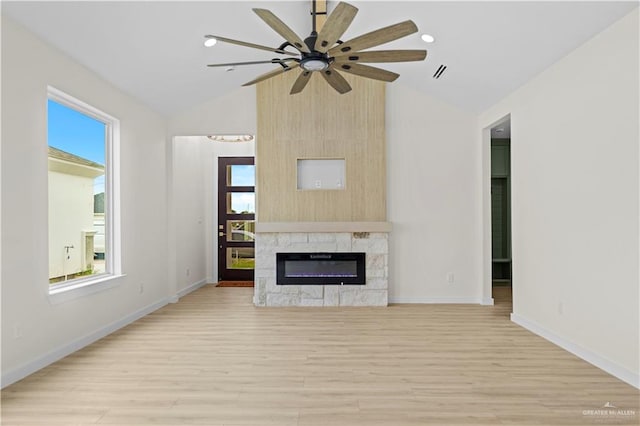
(35, 329)
(195, 165)
(195, 202)
(432, 200)
(231, 114)
(574, 150)
(234, 113)
(189, 199)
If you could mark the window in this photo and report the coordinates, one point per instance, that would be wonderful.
(82, 206)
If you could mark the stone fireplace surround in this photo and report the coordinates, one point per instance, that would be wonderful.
(368, 237)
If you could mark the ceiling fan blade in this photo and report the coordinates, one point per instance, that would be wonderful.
(375, 38)
(281, 28)
(337, 23)
(368, 72)
(383, 56)
(255, 46)
(336, 81)
(267, 75)
(271, 61)
(301, 82)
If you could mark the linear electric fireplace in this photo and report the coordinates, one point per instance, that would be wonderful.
(320, 268)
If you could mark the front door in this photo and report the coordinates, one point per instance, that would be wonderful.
(236, 218)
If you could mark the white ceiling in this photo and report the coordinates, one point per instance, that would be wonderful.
(153, 50)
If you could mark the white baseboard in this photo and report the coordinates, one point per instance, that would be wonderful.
(59, 353)
(487, 301)
(610, 367)
(430, 300)
(192, 287)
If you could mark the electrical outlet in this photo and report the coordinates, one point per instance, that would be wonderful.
(141, 289)
(318, 184)
(17, 331)
(188, 271)
(451, 278)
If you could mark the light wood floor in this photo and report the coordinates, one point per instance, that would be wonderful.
(213, 359)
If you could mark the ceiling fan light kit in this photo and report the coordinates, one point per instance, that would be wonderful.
(314, 64)
(325, 53)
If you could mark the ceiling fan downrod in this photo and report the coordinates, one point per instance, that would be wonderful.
(314, 15)
(311, 40)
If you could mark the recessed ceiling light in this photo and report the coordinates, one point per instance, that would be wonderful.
(210, 42)
(428, 38)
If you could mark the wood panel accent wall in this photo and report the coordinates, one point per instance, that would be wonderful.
(320, 123)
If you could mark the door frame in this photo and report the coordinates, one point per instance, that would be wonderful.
(224, 273)
(487, 261)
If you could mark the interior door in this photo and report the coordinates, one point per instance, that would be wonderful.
(236, 218)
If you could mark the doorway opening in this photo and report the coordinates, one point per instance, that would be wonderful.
(501, 260)
(236, 221)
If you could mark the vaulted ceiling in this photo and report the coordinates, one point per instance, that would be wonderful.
(154, 50)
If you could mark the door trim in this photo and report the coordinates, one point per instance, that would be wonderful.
(224, 273)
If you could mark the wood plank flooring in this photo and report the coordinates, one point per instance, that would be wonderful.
(213, 359)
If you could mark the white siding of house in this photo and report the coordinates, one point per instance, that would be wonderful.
(70, 213)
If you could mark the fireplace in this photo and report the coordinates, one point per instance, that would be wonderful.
(278, 284)
(320, 268)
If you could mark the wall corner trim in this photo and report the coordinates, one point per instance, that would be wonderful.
(593, 358)
(487, 301)
(57, 354)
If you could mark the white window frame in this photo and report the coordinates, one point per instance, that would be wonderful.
(112, 198)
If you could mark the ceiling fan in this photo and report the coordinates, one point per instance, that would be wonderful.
(324, 53)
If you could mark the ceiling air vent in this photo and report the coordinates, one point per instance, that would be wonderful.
(439, 71)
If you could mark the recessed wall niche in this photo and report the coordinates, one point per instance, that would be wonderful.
(321, 173)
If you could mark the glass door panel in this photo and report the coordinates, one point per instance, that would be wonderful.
(241, 175)
(241, 258)
(241, 202)
(241, 230)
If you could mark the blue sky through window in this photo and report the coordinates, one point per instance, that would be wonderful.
(243, 175)
(78, 134)
(243, 202)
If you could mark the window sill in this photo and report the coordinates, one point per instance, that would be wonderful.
(84, 288)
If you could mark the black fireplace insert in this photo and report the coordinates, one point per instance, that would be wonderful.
(320, 268)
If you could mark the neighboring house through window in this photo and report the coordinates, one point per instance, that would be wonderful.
(83, 198)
